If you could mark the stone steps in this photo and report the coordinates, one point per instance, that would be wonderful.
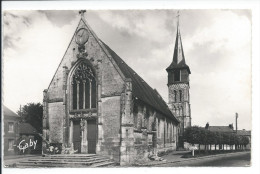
(75, 160)
(71, 155)
(67, 159)
(104, 164)
(63, 162)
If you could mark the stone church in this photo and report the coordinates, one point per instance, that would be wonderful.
(178, 85)
(96, 103)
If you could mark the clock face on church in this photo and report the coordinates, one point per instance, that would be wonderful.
(82, 36)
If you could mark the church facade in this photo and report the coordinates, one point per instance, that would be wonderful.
(96, 103)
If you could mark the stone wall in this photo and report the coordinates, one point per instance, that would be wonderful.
(110, 142)
(166, 135)
(150, 132)
(56, 114)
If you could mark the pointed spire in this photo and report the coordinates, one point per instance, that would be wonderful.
(178, 18)
(178, 55)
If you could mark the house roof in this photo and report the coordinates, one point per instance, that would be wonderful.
(244, 132)
(220, 129)
(26, 128)
(8, 112)
(140, 88)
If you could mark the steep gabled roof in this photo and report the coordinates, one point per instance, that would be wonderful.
(8, 112)
(26, 128)
(141, 89)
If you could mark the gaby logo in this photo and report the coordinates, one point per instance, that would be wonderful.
(22, 146)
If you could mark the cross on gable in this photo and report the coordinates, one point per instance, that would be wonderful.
(178, 16)
(81, 12)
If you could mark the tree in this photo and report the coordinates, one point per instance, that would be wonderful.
(232, 140)
(32, 113)
(192, 135)
(219, 138)
(204, 138)
(245, 141)
(226, 139)
(212, 139)
(238, 141)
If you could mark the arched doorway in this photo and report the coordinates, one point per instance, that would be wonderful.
(83, 108)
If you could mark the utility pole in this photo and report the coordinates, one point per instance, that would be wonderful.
(236, 121)
(236, 127)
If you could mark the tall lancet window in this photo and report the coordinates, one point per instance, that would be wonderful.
(175, 96)
(83, 88)
(180, 95)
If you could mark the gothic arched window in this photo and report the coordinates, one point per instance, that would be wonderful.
(159, 127)
(147, 114)
(135, 111)
(180, 95)
(175, 95)
(83, 88)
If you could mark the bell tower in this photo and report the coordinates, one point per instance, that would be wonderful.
(178, 86)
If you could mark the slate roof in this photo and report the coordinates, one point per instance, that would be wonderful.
(244, 132)
(8, 112)
(181, 65)
(140, 88)
(221, 129)
(26, 128)
(178, 55)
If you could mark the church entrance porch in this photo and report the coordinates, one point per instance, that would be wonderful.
(83, 135)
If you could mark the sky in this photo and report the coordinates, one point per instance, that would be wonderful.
(217, 48)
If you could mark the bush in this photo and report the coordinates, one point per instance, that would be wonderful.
(161, 153)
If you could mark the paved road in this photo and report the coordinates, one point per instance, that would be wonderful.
(234, 160)
(10, 160)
